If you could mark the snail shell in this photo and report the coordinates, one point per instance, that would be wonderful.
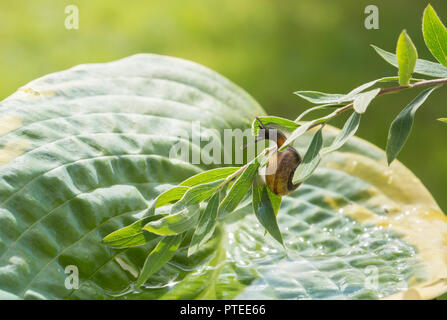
(280, 169)
(281, 165)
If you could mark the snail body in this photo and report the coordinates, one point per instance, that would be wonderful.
(281, 165)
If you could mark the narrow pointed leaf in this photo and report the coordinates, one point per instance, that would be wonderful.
(257, 186)
(363, 100)
(185, 212)
(354, 93)
(319, 107)
(132, 235)
(296, 134)
(175, 223)
(264, 210)
(209, 176)
(330, 99)
(316, 97)
(275, 199)
(349, 129)
(168, 197)
(195, 195)
(238, 190)
(271, 121)
(162, 253)
(406, 58)
(435, 35)
(310, 160)
(424, 67)
(207, 224)
(401, 127)
(443, 120)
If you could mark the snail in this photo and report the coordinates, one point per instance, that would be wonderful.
(282, 164)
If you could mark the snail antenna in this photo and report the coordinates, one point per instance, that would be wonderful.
(260, 137)
(260, 123)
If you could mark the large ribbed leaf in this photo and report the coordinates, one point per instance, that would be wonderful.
(356, 229)
(84, 152)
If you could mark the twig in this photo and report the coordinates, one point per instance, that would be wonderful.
(386, 91)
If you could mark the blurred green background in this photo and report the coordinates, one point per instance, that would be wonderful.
(269, 47)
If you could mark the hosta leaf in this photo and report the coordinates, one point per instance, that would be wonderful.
(424, 67)
(85, 152)
(162, 253)
(238, 190)
(356, 229)
(363, 100)
(264, 211)
(88, 150)
(349, 129)
(209, 176)
(132, 235)
(435, 35)
(278, 122)
(401, 127)
(407, 55)
(311, 159)
(206, 225)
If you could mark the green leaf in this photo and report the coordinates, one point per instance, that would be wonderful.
(264, 210)
(297, 133)
(355, 92)
(345, 228)
(238, 190)
(316, 97)
(319, 107)
(162, 253)
(275, 200)
(435, 35)
(407, 56)
(168, 197)
(443, 120)
(209, 176)
(349, 129)
(363, 100)
(195, 195)
(424, 67)
(311, 159)
(91, 152)
(132, 235)
(401, 127)
(176, 223)
(274, 122)
(184, 213)
(327, 99)
(75, 180)
(207, 224)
